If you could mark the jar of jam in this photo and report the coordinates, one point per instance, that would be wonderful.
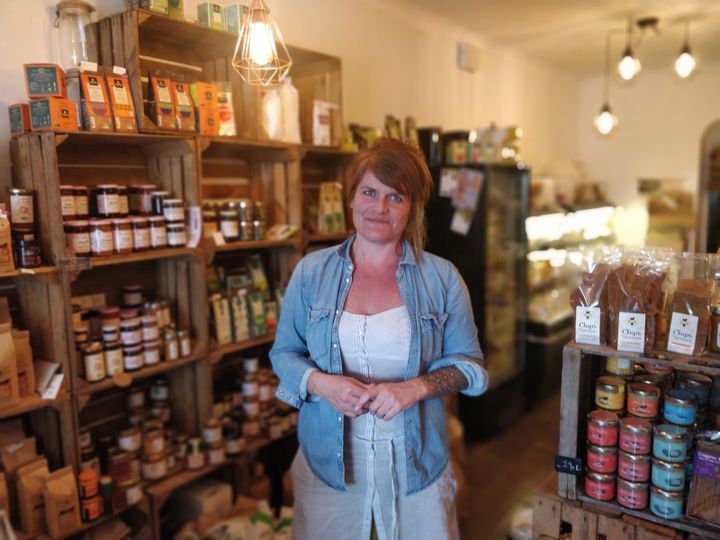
(152, 352)
(246, 230)
(22, 208)
(680, 407)
(81, 202)
(632, 495)
(176, 236)
(113, 358)
(94, 362)
(118, 464)
(67, 202)
(599, 486)
(157, 198)
(635, 435)
(643, 400)
(602, 429)
(29, 254)
(610, 393)
(140, 196)
(669, 443)
(130, 313)
(127, 493)
(183, 337)
(229, 226)
(171, 347)
(666, 504)
(634, 467)
(173, 210)
(77, 234)
(258, 229)
(110, 315)
(141, 233)
(244, 208)
(210, 222)
(131, 332)
(107, 200)
(153, 442)
(150, 330)
(602, 459)
(130, 439)
(160, 390)
(161, 410)
(696, 383)
(668, 475)
(158, 232)
(133, 357)
(163, 313)
(122, 236)
(101, 237)
(123, 205)
(136, 398)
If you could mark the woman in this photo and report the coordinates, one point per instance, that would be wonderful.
(372, 334)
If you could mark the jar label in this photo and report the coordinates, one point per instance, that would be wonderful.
(80, 243)
(113, 362)
(707, 465)
(152, 356)
(123, 205)
(142, 238)
(683, 330)
(229, 228)
(176, 239)
(81, 205)
(21, 209)
(108, 204)
(158, 237)
(102, 242)
(67, 205)
(94, 367)
(134, 361)
(171, 350)
(123, 239)
(631, 331)
(120, 95)
(173, 214)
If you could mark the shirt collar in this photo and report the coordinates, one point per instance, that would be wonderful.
(407, 257)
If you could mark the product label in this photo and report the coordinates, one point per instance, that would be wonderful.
(683, 330)
(707, 465)
(142, 238)
(108, 204)
(113, 362)
(163, 93)
(67, 205)
(101, 242)
(42, 81)
(123, 239)
(181, 95)
(158, 237)
(21, 209)
(631, 331)
(95, 93)
(120, 96)
(16, 124)
(587, 325)
(152, 356)
(80, 243)
(176, 239)
(229, 229)
(81, 205)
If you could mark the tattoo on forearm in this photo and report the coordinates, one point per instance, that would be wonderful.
(445, 381)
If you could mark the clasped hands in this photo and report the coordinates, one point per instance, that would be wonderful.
(353, 398)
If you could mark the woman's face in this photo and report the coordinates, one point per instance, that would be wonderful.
(380, 213)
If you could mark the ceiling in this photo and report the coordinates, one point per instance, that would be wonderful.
(572, 33)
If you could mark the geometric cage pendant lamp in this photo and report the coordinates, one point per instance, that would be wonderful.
(261, 57)
(605, 121)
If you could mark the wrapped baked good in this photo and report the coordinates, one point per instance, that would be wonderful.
(635, 297)
(589, 300)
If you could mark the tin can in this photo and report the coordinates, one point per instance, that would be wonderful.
(88, 483)
(91, 508)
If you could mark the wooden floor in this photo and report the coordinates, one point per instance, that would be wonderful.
(503, 471)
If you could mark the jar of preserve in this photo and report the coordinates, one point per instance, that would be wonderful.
(635, 435)
(643, 400)
(212, 431)
(599, 486)
(668, 475)
(140, 199)
(123, 205)
(244, 208)
(715, 330)
(132, 296)
(696, 383)
(632, 495)
(669, 443)
(158, 232)
(173, 210)
(133, 357)
(610, 393)
(89, 459)
(107, 200)
(154, 467)
(122, 236)
(258, 230)
(67, 202)
(210, 222)
(152, 352)
(141, 234)
(160, 390)
(88, 483)
(183, 337)
(81, 202)
(127, 492)
(680, 407)
(130, 313)
(602, 459)
(176, 236)
(153, 442)
(216, 452)
(157, 198)
(229, 225)
(136, 398)
(163, 314)
(602, 428)
(22, 209)
(634, 467)
(666, 504)
(77, 234)
(150, 330)
(29, 254)
(161, 410)
(94, 362)
(101, 237)
(113, 358)
(131, 332)
(171, 347)
(246, 230)
(130, 439)
(136, 417)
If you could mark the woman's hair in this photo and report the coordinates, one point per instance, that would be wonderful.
(401, 167)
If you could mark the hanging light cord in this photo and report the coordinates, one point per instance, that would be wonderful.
(607, 68)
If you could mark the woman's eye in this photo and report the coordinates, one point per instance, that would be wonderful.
(396, 198)
(369, 192)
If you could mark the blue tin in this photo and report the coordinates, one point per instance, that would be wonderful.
(669, 443)
(680, 407)
(668, 476)
(666, 504)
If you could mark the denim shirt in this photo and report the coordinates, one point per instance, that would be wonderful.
(443, 333)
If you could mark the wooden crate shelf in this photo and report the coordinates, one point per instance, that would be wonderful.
(254, 245)
(87, 263)
(218, 351)
(29, 272)
(29, 404)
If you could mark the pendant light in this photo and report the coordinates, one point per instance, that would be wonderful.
(261, 57)
(629, 66)
(685, 63)
(606, 121)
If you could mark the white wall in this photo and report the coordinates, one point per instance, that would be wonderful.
(395, 60)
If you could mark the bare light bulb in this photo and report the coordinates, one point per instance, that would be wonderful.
(685, 63)
(606, 121)
(261, 46)
(629, 66)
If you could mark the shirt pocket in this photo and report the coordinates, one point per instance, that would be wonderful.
(432, 329)
(318, 333)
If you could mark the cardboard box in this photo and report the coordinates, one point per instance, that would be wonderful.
(162, 105)
(204, 94)
(97, 115)
(53, 114)
(19, 118)
(208, 121)
(44, 80)
(204, 497)
(211, 15)
(226, 112)
(234, 17)
(184, 110)
(121, 102)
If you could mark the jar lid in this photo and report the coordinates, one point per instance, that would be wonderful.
(636, 425)
(112, 345)
(658, 368)
(129, 432)
(683, 397)
(182, 333)
(610, 383)
(644, 389)
(77, 223)
(156, 219)
(121, 221)
(635, 458)
(67, 186)
(93, 347)
(138, 220)
(605, 450)
(133, 351)
(19, 191)
(635, 486)
(130, 323)
(107, 186)
(160, 193)
(129, 482)
(151, 344)
(132, 287)
(109, 310)
(599, 477)
(149, 319)
(126, 314)
(669, 495)
(670, 432)
(172, 202)
(100, 222)
(228, 213)
(696, 380)
(74, 4)
(80, 188)
(666, 465)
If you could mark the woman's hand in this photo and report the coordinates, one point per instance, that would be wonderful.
(340, 391)
(388, 399)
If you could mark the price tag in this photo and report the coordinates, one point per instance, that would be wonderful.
(218, 238)
(569, 465)
(53, 387)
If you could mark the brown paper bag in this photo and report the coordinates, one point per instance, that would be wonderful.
(31, 502)
(12, 432)
(9, 392)
(6, 252)
(24, 362)
(13, 457)
(62, 509)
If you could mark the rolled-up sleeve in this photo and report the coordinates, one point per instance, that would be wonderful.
(289, 355)
(461, 348)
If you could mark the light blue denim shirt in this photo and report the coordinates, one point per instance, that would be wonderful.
(443, 333)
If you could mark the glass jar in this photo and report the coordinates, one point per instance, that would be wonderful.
(176, 236)
(94, 362)
(110, 315)
(668, 475)
(632, 495)
(160, 390)
(77, 234)
(156, 201)
(680, 407)
(132, 296)
(666, 504)
(150, 331)
(669, 443)
(621, 367)
(130, 332)
(72, 19)
(152, 352)
(244, 208)
(696, 383)
(246, 230)
(602, 429)
(184, 342)
(22, 208)
(210, 222)
(107, 200)
(140, 199)
(643, 400)
(133, 357)
(260, 211)
(136, 398)
(154, 467)
(123, 206)
(633, 467)
(141, 233)
(161, 410)
(173, 210)
(122, 236)
(635, 435)
(29, 254)
(158, 232)
(81, 202)
(599, 486)
(258, 230)
(101, 237)
(610, 393)
(113, 358)
(229, 226)
(67, 202)
(602, 459)
(171, 347)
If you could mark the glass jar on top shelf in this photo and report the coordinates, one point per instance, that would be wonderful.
(76, 44)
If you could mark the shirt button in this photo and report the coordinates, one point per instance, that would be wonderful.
(337, 311)
(335, 345)
(347, 280)
(339, 418)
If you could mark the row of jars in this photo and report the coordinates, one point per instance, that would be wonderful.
(241, 220)
(117, 201)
